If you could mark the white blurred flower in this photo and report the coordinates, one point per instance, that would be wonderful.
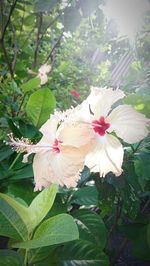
(54, 162)
(42, 73)
(95, 120)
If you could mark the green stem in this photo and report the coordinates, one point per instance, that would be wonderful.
(26, 258)
(14, 161)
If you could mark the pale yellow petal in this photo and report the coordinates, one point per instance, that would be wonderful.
(59, 168)
(128, 124)
(75, 134)
(106, 156)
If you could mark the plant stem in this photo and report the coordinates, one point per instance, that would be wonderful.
(14, 161)
(26, 258)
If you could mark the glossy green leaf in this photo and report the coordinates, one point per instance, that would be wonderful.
(140, 103)
(38, 208)
(85, 196)
(10, 258)
(11, 224)
(5, 151)
(82, 251)
(31, 84)
(41, 204)
(92, 228)
(91, 262)
(142, 168)
(40, 105)
(55, 230)
(18, 208)
(23, 173)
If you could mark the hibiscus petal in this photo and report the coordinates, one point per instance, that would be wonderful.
(59, 168)
(128, 124)
(75, 134)
(106, 156)
(42, 171)
(101, 100)
(49, 128)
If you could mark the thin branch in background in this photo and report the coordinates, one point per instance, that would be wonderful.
(27, 39)
(40, 17)
(48, 26)
(8, 19)
(51, 55)
(15, 46)
(22, 20)
(9, 65)
(7, 59)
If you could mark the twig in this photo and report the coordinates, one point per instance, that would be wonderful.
(3, 37)
(8, 20)
(49, 25)
(15, 47)
(7, 59)
(22, 101)
(50, 55)
(37, 40)
(14, 161)
(145, 206)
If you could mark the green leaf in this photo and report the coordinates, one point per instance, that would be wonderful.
(92, 227)
(45, 6)
(142, 168)
(44, 201)
(91, 262)
(40, 105)
(22, 189)
(85, 196)
(11, 224)
(140, 103)
(18, 208)
(38, 208)
(31, 84)
(28, 131)
(82, 251)
(10, 258)
(5, 152)
(23, 173)
(55, 230)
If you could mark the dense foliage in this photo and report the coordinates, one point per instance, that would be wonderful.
(102, 217)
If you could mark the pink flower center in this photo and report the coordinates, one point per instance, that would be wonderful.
(55, 146)
(100, 126)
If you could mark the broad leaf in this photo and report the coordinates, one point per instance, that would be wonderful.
(11, 224)
(31, 84)
(91, 262)
(140, 103)
(83, 251)
(55, 230)
(38, 209)
(85, 196)
(142, 168)
(42, 204)
(92, 228)
(40, 105)
(10, 258)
